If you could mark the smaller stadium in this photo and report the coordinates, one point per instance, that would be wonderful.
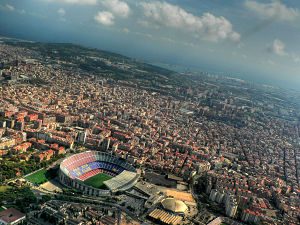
(97, 173)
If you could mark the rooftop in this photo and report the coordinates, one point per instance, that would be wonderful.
(174, 205)
(11, 215)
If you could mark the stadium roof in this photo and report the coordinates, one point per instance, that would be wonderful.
(174, 205)
(123, 181)
(165, 217)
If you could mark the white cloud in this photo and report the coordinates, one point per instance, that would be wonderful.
(61, 12)
(118, 8)
(125, 30)
(78, 2)
(271, 62)
(278, 48)
(145, 23)
(272, 10)
(22, 11)
(106, 18)
(10, 7)
(295, 58)
(7, 7)
(115, 8)
(207, 26)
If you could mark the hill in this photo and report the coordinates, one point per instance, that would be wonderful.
(105, 64)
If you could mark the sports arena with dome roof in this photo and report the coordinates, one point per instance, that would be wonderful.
(174, 205)
(97, 173)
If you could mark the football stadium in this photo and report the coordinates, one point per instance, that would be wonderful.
(97, 173)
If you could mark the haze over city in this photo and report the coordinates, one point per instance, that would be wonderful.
(255, 40)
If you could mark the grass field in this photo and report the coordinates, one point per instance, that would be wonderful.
(3, 188)
(38, 177)
(97, 180)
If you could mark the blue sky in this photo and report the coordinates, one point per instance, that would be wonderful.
(257, 40)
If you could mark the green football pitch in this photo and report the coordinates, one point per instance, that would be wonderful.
(97, 181)
(38, 177)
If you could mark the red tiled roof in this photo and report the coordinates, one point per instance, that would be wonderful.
(11, 215)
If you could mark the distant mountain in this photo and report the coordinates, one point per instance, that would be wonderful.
(104, 63)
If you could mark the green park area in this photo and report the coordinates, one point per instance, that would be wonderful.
(19, 198)
(40, 176)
